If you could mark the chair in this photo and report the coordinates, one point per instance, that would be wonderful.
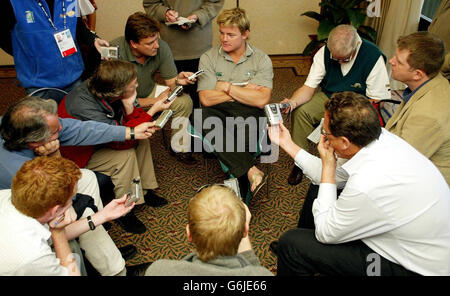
(196, 134)
(55, 94)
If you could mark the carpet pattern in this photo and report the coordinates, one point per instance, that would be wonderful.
(274, 210)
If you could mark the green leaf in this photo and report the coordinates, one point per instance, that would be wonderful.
(324, 29)
(312, 14)
(356, 17)
(368, 33)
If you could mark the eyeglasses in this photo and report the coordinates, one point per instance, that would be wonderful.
(324, 132)
(346, 60)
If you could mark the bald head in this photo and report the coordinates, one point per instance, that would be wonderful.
(342, 40)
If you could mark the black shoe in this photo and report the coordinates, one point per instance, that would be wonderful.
(130, 223)
(274, 247)
(128, 252)
(296, 175)
(138, 270)
(153, 200)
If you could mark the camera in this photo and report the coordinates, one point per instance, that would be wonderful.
(163, 118)
(196, 74)
(109, 52)
(173, 95)
(133, 194)
(273, 114)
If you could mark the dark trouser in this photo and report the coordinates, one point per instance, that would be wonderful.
(191, 89)
(299, 253)
(238, 157)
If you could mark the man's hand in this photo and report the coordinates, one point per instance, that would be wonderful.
(115, 209)
(279, 135)
(182, 78)
(291, 104)
(145, 130)
(222, 85)
(128, 103)
(68, 217)
(187, 26)
(254, 86)
(171, 15)
(329, 161)
(48, 149)
(98, 43)
(159, 106)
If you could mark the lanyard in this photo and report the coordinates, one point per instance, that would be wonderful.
(48, 17)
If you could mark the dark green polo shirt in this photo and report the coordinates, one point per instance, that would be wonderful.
(162, 61)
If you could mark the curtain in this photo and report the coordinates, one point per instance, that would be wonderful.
(377, 23)
(402, 18)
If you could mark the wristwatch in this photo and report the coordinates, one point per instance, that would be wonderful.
(132, 133)
(91, 224)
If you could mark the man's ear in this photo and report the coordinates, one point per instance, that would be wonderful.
(419, 75)
(344, 143)
(245, 35)
(246, 230)
(133, 44)
(188, 232)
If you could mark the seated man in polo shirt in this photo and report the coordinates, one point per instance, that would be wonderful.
(142, 47)
(237, 84)
(346, 63)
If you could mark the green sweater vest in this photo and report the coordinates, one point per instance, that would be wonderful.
(355, 80)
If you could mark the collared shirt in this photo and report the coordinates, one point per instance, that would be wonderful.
(377, 81)
(24, 244)
(394, 200)
(408, 93)
(162, 61)
(73, 133)
(253, 67)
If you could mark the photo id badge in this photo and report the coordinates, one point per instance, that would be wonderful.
(65, 43)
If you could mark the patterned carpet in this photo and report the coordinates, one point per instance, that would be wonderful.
(274, 210)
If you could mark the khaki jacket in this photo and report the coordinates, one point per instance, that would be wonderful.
(424, 122)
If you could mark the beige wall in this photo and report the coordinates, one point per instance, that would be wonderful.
(276, 25)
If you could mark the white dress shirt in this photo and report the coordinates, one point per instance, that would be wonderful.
(24, 244)
(377, 81)
(394, 200)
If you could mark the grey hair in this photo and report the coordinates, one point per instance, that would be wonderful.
(342, 39)
(25, 122)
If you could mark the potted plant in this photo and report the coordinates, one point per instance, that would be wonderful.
(336, 12)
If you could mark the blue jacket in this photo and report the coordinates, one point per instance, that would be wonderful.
(73, 133)
(37, 57)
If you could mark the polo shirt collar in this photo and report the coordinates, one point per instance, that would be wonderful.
(248, 52)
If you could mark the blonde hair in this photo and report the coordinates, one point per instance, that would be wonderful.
(216, 218)
(234, 17)
(43, 183)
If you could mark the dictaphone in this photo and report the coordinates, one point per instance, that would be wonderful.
(285, 105)
(133, 194)
(111, 52)
(273, 114)
(163, 118)
(173, 95)
(196, 74)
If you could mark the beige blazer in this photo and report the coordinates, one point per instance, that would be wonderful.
(424, 122)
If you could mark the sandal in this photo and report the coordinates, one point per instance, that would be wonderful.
(260, 185)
